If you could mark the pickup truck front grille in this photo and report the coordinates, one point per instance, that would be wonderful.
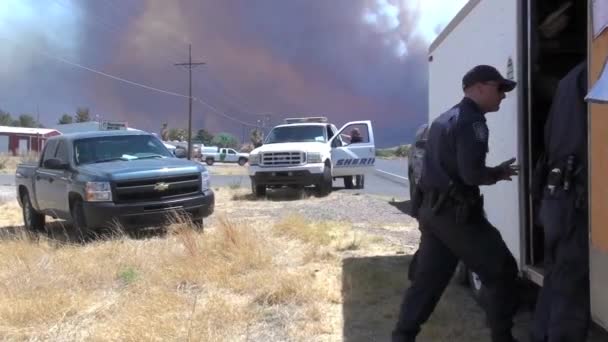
(156, 189)
(283, 158)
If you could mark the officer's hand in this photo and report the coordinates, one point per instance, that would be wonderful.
(506, 170)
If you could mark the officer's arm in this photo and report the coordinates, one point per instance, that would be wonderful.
(471, 149)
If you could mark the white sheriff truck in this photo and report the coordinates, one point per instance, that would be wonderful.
(311, 151)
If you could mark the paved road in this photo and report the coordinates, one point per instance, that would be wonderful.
(7, 179)
(389, 179)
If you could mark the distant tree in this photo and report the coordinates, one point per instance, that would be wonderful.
(402, 150)
(225, 140)
(5, 119)
(204, 136)
(26, 120)
(65, 119)
(177, 134)
(82, 114)
(257, 137)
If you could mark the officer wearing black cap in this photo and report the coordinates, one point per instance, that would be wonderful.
(562, 310)
(451, 216)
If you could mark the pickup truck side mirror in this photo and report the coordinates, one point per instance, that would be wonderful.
(179, 153)
(55, 164)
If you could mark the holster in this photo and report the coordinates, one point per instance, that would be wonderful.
(464, 204)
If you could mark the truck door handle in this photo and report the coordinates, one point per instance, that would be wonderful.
(38, 178)
(51, 179)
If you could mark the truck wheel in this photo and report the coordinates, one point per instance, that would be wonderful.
(476, 286)
(348, 182)
(198, 224)
(33, 220)
(79, 221)
(242, 161)
(258, 190)
(324, 187)
(360, 181)
(209, 161)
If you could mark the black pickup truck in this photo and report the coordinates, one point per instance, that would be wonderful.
(99, 179)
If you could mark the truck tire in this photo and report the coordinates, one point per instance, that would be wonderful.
(360, 181)
(209, 161)
(33, 220)
(258, 190)
(348, 182)
(325, 185)
(242, 161)
(198, 224)
(79, 220)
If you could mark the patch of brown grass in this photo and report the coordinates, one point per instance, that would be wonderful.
(8, 163)
(247, 277)
(295, 226)
(11, 215)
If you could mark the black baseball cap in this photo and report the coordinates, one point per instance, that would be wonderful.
(487, 73)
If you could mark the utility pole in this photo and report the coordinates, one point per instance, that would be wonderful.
(190, 66)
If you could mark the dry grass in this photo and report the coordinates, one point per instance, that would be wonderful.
(235, 282)
(10, 214)
(8, 163)
(254, 277)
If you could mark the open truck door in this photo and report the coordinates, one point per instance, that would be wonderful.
(598, 166)
(353, 156)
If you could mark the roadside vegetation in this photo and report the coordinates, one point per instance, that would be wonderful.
(393, 152)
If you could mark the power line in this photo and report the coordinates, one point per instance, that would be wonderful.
(117, 78)
(112, 76)
(223, 114)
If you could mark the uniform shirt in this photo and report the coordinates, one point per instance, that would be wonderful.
(566, 126)
(456, 150)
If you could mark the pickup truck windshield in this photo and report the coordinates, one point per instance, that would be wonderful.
(296, 134)
(112, 148)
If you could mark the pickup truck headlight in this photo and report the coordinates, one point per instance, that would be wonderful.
(314, 157)
(254, 159)
(205, 181)
(98, 192)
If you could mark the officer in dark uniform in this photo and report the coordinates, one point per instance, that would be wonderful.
(562, 310)
(451, 215)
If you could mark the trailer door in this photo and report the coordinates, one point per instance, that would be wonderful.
(598, 185)
(486, 32)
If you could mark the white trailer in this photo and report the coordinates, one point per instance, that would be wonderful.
(522, 39)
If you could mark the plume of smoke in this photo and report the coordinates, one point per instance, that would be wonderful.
(29, 26)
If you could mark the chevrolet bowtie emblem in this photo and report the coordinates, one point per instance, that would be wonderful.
(161, 186)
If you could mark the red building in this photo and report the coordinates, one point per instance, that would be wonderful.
(22, 140)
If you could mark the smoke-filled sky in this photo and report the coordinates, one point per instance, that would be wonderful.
(344, 59)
